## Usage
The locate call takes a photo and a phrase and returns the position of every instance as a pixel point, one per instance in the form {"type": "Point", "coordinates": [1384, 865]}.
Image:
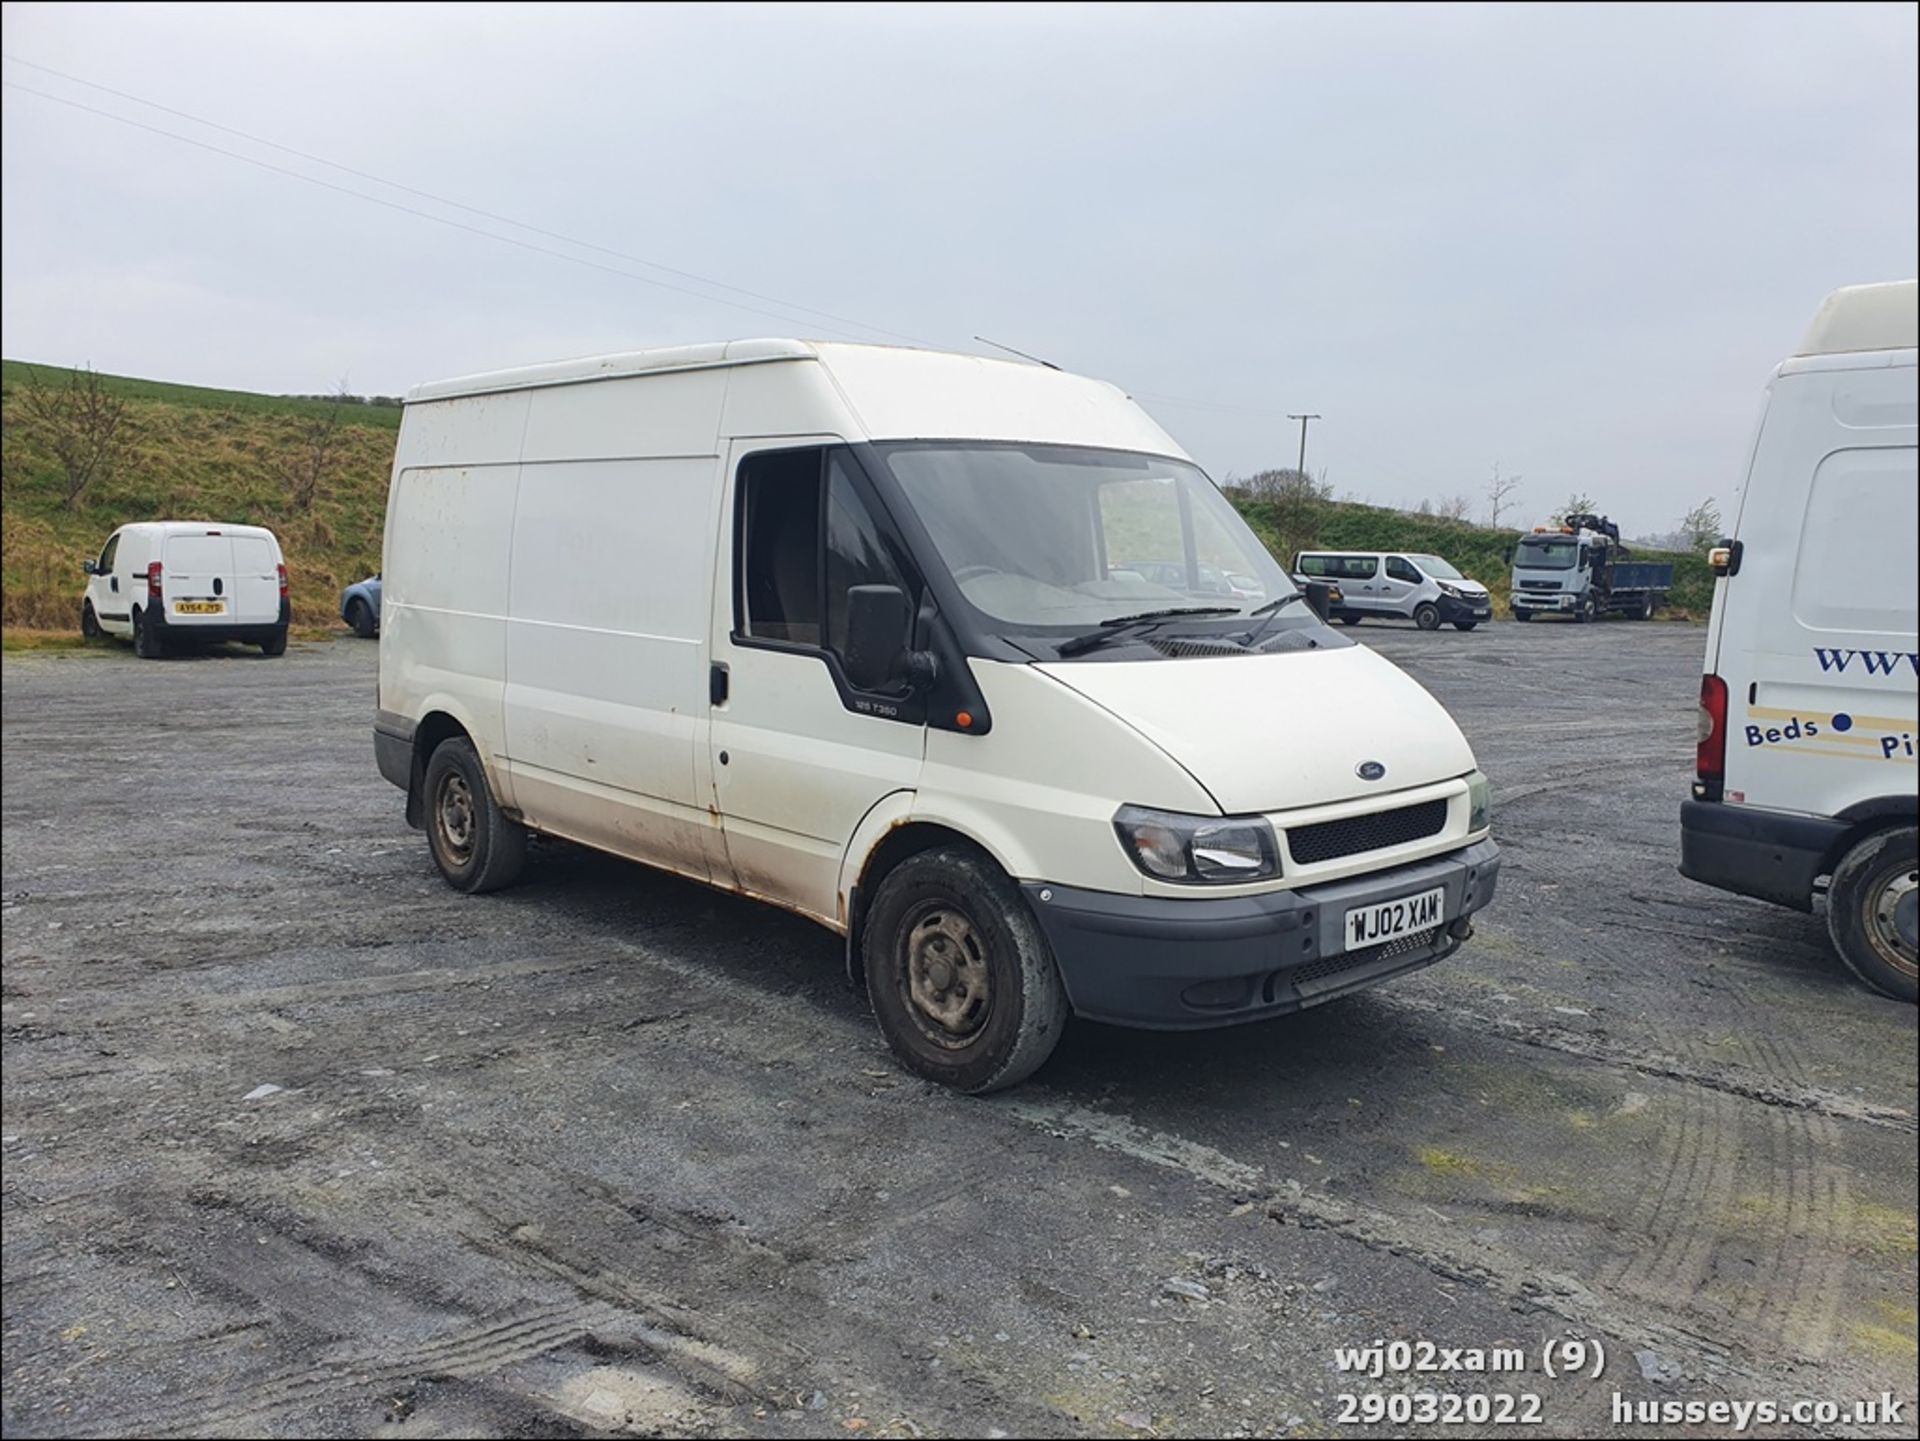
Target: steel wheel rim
{"type": "Point", "coordinates": [1893, 917]}
{"type": "Point", "coordinates": [946, 982]}
{"type": "Point", "coordinates": [453, 813]}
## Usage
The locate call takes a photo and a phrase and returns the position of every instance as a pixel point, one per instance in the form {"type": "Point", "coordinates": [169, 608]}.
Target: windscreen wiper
{"type": "Point", "coordinates": [1266, 613]}
{"type": "Point", "coordinates": [1121, 624]}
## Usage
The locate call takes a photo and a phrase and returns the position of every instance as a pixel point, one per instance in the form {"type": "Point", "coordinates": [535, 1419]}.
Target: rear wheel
{"type": "Point", "coordinates": [1873, 910]}
{"type": "Point", "coordinates": [146, 643]}
{"type": "Point", "coordinates": [1426, 615]}
{"type": "Point", "coordinates": [275, 644]}
{"type": "Point", "coordinates": [1350, 618]}
{"type": "Point", "coordinates": [1646, 608]}
{"type": "Point", "coordinates": [475, 845]}
{"type": "Point", "coordinates": [1465, 624]}
{"type": "Point", "coordinates": [89, 622]}
{"type": "Point", "coordinates": [961, 978]}
{"type": "Point", "coordinates": [360, 617]}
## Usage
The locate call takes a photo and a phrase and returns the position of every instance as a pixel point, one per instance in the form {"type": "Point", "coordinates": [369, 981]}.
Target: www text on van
{"type": "Point", "coordinates": [1806, 772]}
{"type": "Point", "coordinates": [961, 658]}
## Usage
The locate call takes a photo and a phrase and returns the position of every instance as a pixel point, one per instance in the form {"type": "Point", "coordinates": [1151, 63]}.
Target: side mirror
{"type": "Point", "coordinates": [89, 567]}
{"type": "Point", "coordinates": [878, 617]}
{"type": "Point", "coordinates": [1319, 598]}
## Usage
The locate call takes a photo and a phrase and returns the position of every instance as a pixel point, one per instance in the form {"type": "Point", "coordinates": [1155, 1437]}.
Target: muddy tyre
{"type": "Point", "coordinates": [961, 978]}
{"type": "Point", "coordinates": [1871, 910]}
{"type": "Point", "coordinates": [474, 843]}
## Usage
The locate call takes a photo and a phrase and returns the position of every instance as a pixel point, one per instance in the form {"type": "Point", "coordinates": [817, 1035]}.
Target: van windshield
{"type": "Point", "coordinates": [1436, 567]}
{"type": "Point", "coordinates": [1053, 537]}
{"type": "Point", "coordinates": [1547, 553]}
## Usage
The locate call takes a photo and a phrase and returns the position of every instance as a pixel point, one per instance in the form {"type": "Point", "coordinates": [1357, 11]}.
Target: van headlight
{"type": "Point", "coordinates": [1210, 850]}
{"type": "Point", "coordinates": [1452, 590]}
{"type": "Point", "coordinates": [1479, 802]}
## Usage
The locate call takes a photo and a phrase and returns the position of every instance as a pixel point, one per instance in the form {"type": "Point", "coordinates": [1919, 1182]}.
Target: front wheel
{"type": "Point", "coordinates": [360, 617]}
{"type": "Point", "coordinates": [89, 622]}
{"type": "Point", "coordinates": [1465, 624]}
{"type": "Point", "coordinates": [1523, 615]}
{"type": "Point", "coordinates": [1646, 609]}
{"type": "Point", "coordinates": [1427, 616]}
{"type": "Point", "coordinates": [1350, 619]}
{"type": "Point", "coordinates": [1585, 612]}
{"type": "Point", "coordinates": [1873, 910]}
{"type": "Point", "coordinates": [961, 978]}
{"type": "Point", "coordinates": [474, 843]}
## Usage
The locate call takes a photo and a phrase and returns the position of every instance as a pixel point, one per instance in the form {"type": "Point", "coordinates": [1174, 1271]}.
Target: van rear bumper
{"type": "Point", "coordinates": [1174, 964]}
{"type": "Point", "coordinates": [1770, 855]}
{"type": "Point", "coordinates": [215, 631]}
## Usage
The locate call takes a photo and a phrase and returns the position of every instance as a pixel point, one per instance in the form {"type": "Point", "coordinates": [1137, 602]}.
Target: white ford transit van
{"type": "Point", "coordinates": [1806, 767]}
{"type": "Point", "coordinates": [862, 631]}
{"type": "Point", "coordinates": [165, 584]}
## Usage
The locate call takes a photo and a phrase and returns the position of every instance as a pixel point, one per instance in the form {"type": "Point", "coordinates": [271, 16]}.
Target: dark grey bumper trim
{"type": "Point", "coordinates": [1770, 855]}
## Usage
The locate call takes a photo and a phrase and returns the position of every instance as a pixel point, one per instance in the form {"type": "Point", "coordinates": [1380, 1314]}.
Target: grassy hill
{"type": "Point", "coordinates": [224, 455]}
{"type": "Point", "coordinates": [191, 454]}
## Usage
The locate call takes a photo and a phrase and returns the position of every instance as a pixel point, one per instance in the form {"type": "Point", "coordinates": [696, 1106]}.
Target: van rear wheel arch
{"type": "Point", "coordinates": [434, 730]}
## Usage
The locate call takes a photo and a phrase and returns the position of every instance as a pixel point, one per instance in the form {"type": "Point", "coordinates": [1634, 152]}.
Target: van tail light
{"type": "Point", "coordinates": [153, 580]}
{"type": "Point", "coordinates": [1710, 758]}
{"type": "Point", "coordinates": [281, 568]}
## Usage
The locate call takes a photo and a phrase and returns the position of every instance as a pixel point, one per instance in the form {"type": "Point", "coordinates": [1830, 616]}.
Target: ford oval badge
{"type": "Point", "coordinates": [1370, 770]}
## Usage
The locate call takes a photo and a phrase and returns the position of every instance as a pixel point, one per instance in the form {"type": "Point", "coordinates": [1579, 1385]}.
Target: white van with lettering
{"type": "Point", "coordinates": [961, 658]}
{"type": "Point", "coordinates": [1807, 780]}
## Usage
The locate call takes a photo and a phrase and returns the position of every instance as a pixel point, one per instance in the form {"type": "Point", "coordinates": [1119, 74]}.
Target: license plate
{"type": "Point", "coordinates": [1389, 920]}
{"type": "Point", "coordinates": [199, 607]}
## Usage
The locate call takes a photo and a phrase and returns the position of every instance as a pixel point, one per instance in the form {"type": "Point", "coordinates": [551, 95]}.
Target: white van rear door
{"type": "Point", "coordinates": [256, 581]}
{"type": "Point", "coordinates": [196, 578]}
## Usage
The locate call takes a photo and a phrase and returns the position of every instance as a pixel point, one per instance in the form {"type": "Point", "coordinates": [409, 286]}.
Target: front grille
{"type": "Point", "coordinates": [1329, 840]}
{"type": "Point", "coordinates": [1539, 585]}
{"type": "Point", "coordinates": [1303, 976]}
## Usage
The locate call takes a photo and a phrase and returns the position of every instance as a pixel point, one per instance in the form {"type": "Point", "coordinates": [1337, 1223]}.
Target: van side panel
{"type": "Point", "coordinates": [612, 574]}
{"type": "Point", "coordinates": [1815, 637]}
{"type": "Point", "coordinates": [443, 633]}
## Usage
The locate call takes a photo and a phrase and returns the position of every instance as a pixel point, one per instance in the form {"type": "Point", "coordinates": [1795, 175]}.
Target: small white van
{"type": "Point", "coordinates": [938, 651]}
{"type": "Point", "coordinates": [1398, 585]}
{"type": "Point", "coordinates": [167, 584]}
{"type": "Point", "coordinates": [1807, 776]}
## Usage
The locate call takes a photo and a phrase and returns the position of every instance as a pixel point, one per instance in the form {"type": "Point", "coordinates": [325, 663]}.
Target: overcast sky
{"type": "Point", "coordinates": [1569, 241]}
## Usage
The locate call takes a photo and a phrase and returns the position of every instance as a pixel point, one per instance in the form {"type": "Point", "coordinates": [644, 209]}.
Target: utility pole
{"type": "Point", "coordinates": [1303, 419]}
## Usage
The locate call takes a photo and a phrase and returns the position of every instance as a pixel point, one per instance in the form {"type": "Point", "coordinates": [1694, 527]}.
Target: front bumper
{"type": "Point", "coordinates": [1771, 855]}
{"type": "Point", "coordinates": [1454, 609]}
{"type": "Point", "coordinates": [1542, 599]}
{"type": "Point", "coordinates": [1174, 964]}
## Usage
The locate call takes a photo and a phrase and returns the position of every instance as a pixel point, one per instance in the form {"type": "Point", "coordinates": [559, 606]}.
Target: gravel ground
{"type": "Point", "coordinates": [609, 1152]}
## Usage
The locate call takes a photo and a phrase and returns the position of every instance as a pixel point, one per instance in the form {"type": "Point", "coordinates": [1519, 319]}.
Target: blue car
{"type": "Point", "coordinates": [360, 607]}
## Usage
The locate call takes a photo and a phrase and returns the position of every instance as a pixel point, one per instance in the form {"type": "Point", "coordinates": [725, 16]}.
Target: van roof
{"type": "Point", "coordinates": [196, 527]}
{"type": "Point", "coordinates": [626, 362]}
{"type": "Point", "coordinates": [1866, 317]}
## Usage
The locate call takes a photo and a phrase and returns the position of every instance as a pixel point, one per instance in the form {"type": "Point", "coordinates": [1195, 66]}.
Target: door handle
{"type": "Point", "coordinates": [717, 684]}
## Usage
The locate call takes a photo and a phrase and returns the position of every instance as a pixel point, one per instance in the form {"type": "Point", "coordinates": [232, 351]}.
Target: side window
{"type": "Point", "coordinates": [856, 555]}
{"type": "Point", "coordinates": [1315, 564]}
{"type": "Point", "coordinates": [1358, 567]}
{"type": "Point", "coordinates": [1400, 569]}
{"type": "Point", "coordinates": [779, 546]}
{"type": "Point", "coordinates": [105, 567]}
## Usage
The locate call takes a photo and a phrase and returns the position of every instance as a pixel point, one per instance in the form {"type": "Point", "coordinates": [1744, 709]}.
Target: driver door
{"type": "Point", "coordinates": [111, 604]}
{"type": "Point", "coordinates": [798, 757]}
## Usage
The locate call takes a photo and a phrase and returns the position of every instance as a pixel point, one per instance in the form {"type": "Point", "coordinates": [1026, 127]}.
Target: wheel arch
{"type": "Point", "coordinates": [1867, 818]}
{"type": "Point", "coordinates": [889, 834]}
{"type": "Point", "coordinates": [434, 728]}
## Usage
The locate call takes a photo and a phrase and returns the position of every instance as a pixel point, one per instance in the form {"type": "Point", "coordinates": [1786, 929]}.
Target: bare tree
{"type": "Point", "coordinates": [1424, 508]}
{"type": "Point", "coordinates": [311, 465]}
{"type": "Point", "coordinates": [1292, 503]}
{"type": "Point", "coordinates": [1454, 508]}
{"type": "Point", "coordinates": [1701, 525]}
{"type": "Point", "coordinates": [80, 423]}
{"type": "Point", "coordinates": [1500, 491]}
